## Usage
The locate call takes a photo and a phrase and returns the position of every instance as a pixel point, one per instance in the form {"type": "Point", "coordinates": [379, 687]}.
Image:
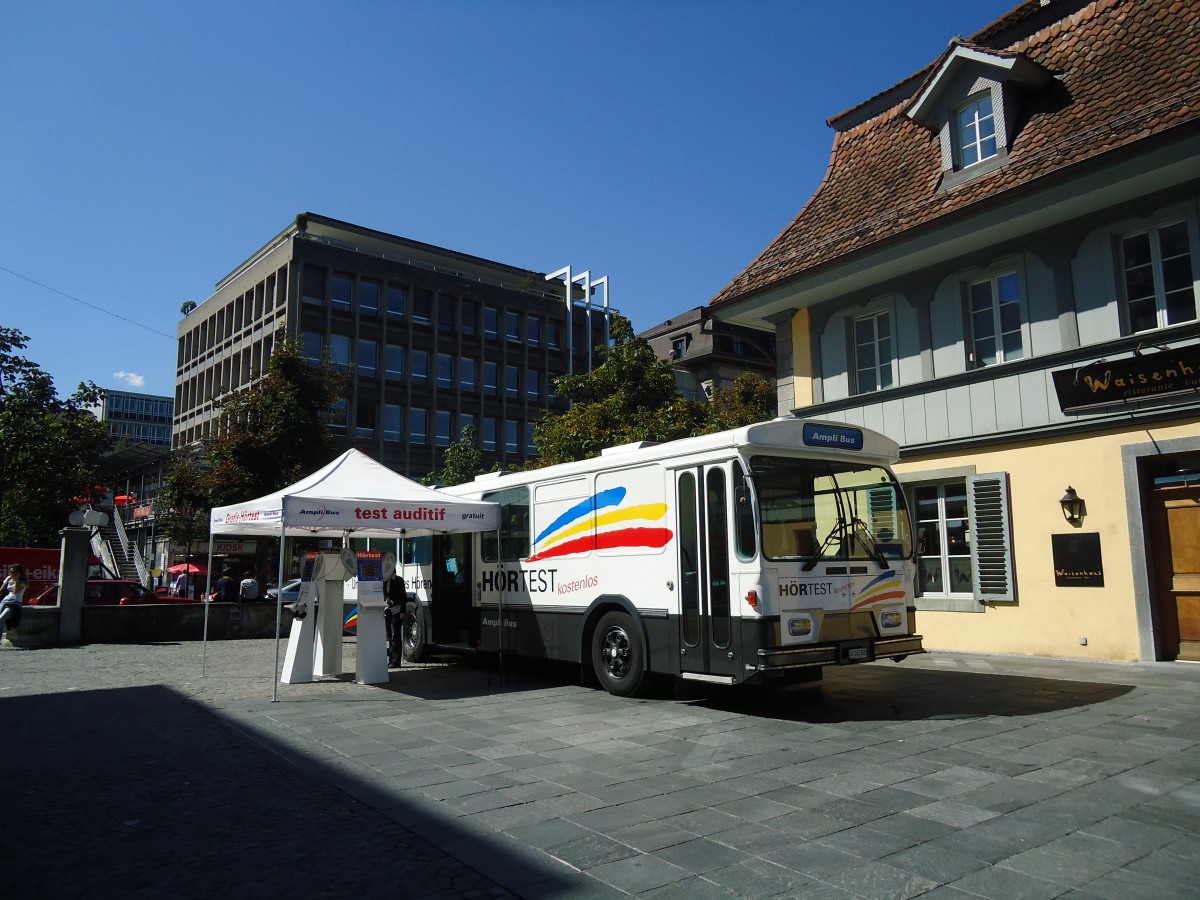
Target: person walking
{"type": "Point", "coordinates": [12, 595]}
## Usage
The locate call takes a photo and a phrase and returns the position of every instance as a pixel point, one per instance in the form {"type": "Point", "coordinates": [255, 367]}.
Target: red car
{"type": "Point", "coordinates": [108, 592]}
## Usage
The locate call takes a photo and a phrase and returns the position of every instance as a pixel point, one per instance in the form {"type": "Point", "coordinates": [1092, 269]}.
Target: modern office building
{"type": "Point", "coordinates": [136, 418]}
{"type": "Point", "coordinates": [434, 340]}
{"type": "Point", "coordinates": [999, 271]}
{"type": "Point", "coordinates": [708, 354]}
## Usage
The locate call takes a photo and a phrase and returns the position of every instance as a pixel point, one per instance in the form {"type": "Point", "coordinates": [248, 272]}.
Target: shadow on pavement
{"type": "Point", "coordinates": [142, 791]}
{"type": "Point", "coordinates": [892, 693]}
{"type": "Point", "coordinates": [882, 692]}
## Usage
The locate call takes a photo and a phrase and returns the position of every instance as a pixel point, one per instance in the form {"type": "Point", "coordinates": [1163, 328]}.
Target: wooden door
{"type": "Point", "coordinates": [1175, 531]}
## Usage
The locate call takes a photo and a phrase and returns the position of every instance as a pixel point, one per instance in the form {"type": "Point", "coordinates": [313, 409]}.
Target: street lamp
{"type": "Point", "coordinates": [1072, 506]}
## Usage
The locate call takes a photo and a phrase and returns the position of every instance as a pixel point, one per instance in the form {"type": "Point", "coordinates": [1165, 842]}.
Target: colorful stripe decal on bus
{"type": "Point", "coordinates": [884, 587]}
{"type": "Point", "coordinates": [584, 528]}
{"type": "Point", "coordinates": [602, 500]}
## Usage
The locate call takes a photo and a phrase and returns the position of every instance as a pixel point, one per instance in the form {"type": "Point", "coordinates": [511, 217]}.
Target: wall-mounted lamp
{"type": "Point", "coordinates": [1072, 506]}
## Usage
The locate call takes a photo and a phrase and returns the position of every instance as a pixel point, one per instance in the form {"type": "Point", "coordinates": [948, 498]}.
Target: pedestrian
{"type": "Point", "coordinates": [248, 589]}
{"type": "Point", "coordinates": [12, 594]}
{"type": "Point", "coordinates": [395, 598]}
{"type": "Point", "coordinates": [180, 587]}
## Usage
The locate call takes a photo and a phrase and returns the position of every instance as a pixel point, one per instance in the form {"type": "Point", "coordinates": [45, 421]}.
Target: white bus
{"type": "Point", "coordinates": [754, 555]}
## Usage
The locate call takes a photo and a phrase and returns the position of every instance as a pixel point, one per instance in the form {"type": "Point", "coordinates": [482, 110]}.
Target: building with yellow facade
{"type": "Point", "coordinates": [999, 271]}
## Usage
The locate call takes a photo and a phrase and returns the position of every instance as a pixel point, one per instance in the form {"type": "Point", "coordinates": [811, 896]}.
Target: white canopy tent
{"type": "Point", "coordinates": [354, 494]}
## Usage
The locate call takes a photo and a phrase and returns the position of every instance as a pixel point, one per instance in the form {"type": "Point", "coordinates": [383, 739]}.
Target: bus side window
{"type": "Point", "coordinates": [511, 541]}
{"type": "Point", "coordinates": [743, 515]}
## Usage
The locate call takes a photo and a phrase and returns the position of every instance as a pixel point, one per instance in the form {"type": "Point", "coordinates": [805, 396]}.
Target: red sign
{"type": "Point", "coordinates": [40, 564]}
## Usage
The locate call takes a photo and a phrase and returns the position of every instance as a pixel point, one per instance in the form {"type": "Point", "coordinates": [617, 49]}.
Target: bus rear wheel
{"type": "Point", "coordinates": [617, 655]}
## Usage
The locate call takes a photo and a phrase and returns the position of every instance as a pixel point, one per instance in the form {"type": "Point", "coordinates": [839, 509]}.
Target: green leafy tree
{"type": "Point", "coordinates": [276, 431]}
{"type": "Point", "coordinates": [462, 461]}
{"type": "Point", "coordinates": [629, 397]}
{"type": "Point", "coordinates": [750, 399]}
{"type": "Point", "coordinates": [51, 449]}
{"type": "Point", "coordinates": [181, 508]}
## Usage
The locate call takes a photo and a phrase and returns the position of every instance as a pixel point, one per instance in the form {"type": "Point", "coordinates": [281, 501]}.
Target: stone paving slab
{"type": "Point", "coordinates": [949, 775]}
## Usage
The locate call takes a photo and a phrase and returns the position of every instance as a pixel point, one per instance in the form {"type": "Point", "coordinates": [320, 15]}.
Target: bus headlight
{"type": "Point", "coordinates": [800, 627]}
{"type": "Point", "coordinates": [891, 619]}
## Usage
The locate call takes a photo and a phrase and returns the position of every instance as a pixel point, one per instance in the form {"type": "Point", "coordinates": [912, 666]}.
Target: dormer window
{"type": "Point", "coordinates": [972, 102]}
{"type": "Point", "coordinates": [975, 130]}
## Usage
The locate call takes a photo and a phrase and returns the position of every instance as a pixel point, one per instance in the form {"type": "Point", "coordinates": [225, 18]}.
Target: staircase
{"type": "Point", "coordinates": [124, 556]}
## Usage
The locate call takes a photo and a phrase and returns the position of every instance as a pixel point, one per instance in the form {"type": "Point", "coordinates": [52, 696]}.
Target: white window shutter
{"type": "Point", "coordinates": [991, 537]}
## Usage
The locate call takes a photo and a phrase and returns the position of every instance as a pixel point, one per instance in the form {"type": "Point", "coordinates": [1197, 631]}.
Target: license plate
{"type": "Point", "coordinates": [859, 654]}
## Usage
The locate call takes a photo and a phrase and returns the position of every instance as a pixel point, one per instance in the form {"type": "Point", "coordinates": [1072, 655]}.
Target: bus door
{"type": "Point", "coordinates": [450, 591]}
{"type": "Point", "coordinates": [705, 620]}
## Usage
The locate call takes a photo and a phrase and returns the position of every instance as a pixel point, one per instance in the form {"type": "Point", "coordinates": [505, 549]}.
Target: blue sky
{"type": "Point", "coordinates": [148, 148]}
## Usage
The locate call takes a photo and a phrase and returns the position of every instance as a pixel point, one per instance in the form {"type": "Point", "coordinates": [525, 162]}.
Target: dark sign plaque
{"type": "Point", "coordinates": [1077, 560]}
{"type": "Point", "coordinates": [1145, 377]}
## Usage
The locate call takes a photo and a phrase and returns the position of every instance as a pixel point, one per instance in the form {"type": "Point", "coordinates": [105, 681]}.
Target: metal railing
{"type": "Point", "coordinates": [101, 548]}
{"type": "Point", "coordinates": [131, 551]}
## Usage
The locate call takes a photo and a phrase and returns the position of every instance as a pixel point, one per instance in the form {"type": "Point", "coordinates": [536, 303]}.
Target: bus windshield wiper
{"type": "Point", "coordinates": [860, 530]}
{"type": "Point", "coordinates": [835, 531]}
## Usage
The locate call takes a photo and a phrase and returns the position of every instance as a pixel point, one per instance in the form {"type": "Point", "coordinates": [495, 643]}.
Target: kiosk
{"type": "Point", "coordinates": [315, 643]}
{"type": "Point", "coordinates": [371, 664]}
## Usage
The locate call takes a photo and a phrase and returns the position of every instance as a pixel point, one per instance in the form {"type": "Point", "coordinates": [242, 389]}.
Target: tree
{"type": "Point", "coordinates": [51, 447]}
{"type": "Point", "coordinates": [277, 430]}
{"type": "Point", "coordinates": [462, 461]}
{"type": "Point", "coordinates": [629, 397]}
{"type": "Point", "coordinates": [181, 508]}
{"type": "Point", "coordinates": [750, 399]}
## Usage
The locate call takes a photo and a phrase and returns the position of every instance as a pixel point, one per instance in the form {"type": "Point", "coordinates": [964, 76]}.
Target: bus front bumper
{"type": "Point", "coordinates": [843, 653]}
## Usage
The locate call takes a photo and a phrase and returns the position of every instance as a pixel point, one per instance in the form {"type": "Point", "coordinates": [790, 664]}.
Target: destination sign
{"type": "Point", "coordinates": [832, 436]}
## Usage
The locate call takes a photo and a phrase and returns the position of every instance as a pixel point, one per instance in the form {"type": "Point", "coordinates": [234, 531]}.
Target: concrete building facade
{"type": "Point", "coordinates": [433, 339]}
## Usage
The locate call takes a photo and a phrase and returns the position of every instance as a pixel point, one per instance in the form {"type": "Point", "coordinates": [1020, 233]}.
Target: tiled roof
{"type": "Point", "coordinates": [1127, 71]}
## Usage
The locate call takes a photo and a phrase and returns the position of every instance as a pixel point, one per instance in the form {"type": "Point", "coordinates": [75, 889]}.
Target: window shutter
{"type": "Point", "coordinates": [991, 540]}
{"type": "Point", "coordinates": [881, 512]}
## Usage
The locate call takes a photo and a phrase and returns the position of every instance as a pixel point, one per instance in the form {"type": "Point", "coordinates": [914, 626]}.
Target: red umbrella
{"type": "Point", "coordinates": [190, 568]}
{"type": "Point", "coordinates": [124, 500]}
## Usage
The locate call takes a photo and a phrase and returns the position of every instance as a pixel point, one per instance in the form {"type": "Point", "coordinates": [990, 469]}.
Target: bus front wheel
{"type": "Point", "coordinates": [617, 655]}
{"type": "Point", "coordinates": [416, 650]}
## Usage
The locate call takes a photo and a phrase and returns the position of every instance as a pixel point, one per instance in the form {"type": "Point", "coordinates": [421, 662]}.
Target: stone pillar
{"type": "Point", "coordinates": [72, 580]}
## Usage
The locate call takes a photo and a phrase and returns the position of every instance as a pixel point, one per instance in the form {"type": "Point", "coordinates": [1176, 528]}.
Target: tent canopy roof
{"type": "Point", "coordinates": [357, 494]}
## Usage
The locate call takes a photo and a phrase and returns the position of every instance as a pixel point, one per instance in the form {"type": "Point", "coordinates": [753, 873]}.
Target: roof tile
{"type": "Point", "coordinates": [1127, 70]}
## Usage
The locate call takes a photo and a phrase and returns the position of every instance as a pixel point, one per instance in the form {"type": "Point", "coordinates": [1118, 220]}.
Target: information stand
{"type": "Point", "coordinates": [298, 661]}
{"type": "Point", "coordinates": [367, 586]}
{"type": "Point", "coordinates": [315, 643]}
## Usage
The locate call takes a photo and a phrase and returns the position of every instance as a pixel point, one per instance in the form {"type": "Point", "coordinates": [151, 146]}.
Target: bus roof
{"type": "Point", "coordinates": [787, 434]}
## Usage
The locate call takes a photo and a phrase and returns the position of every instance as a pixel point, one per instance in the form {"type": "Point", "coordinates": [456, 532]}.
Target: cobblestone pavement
{"type": "Point", "coordinates": [129, 774]}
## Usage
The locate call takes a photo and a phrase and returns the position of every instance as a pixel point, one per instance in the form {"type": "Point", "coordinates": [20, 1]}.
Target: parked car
{"type": "Point", "coordinates": [291, 593]}
{"type": "Point", "coordinates": [108, 592]}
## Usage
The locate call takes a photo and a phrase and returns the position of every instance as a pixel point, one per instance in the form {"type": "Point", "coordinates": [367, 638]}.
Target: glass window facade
{"type": "Point", "coordinates": [397, 301]}
{"type": "Point", "coordinates": [341, 291]}
{"type": "Point", "coordinates": [420, 366]}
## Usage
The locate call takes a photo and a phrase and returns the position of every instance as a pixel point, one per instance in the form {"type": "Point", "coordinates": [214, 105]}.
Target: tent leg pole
{"type": "Point", "coordinates": [278, 613]}
{"type": "Point", "coordinates": [205, 601]}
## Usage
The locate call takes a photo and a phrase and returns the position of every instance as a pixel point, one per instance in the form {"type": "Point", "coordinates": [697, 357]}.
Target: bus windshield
{"type": "Point", "coordinates": [818, 509]}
